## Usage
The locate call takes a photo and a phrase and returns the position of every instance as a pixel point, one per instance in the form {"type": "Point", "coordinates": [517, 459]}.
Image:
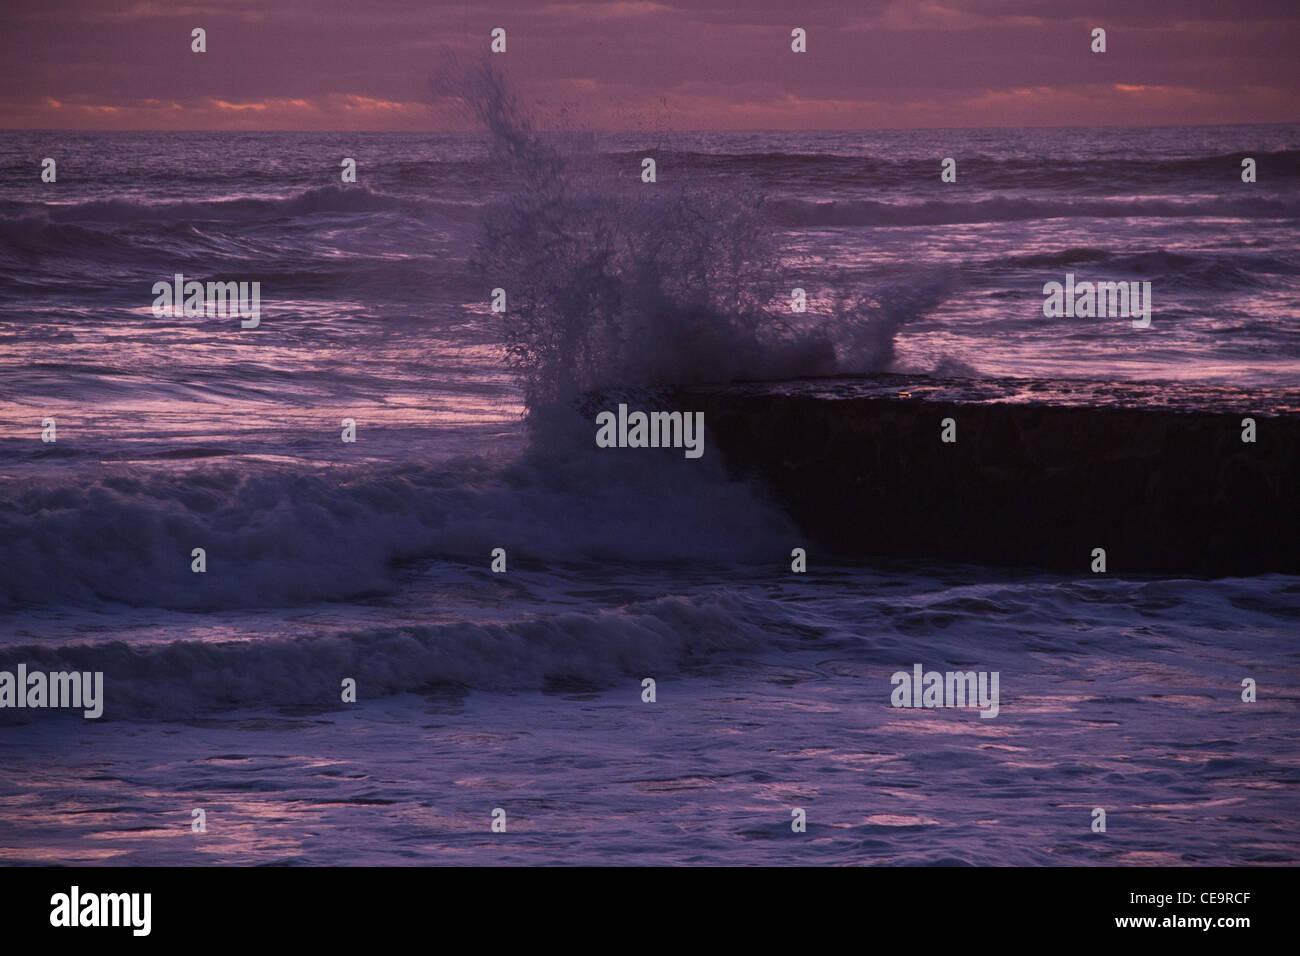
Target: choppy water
{"type": "Point", "coordinates": [370, 560]}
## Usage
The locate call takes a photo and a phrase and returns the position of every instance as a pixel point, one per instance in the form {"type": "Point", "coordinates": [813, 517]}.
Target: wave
{"type": "Point", "coordinates": [279, 537]}
{"type": "Point", "coordinates": [37, 235]}
{"type": "Point", "coordinates": [614, 284]}
{"type": "Point", "coordinates": [1214, 270]}
{"type": "Point", "coordinates": [1278, 164]}
{"type": "Point", "coordinates": [315, 201]}
{"type": "Point", "coordinates": [795, 213]}
{"type": "Point", "coordinates": [189, 678]}
{"type": "Point", "coordinates": [836, 168]}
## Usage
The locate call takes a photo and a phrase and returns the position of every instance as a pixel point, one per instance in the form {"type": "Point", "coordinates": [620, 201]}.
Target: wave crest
{"type": "Point", "coordinates": [614, 282]}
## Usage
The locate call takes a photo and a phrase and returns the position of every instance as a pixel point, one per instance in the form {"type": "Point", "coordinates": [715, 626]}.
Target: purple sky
{"type": "Point", "coordinates": [697, 64]}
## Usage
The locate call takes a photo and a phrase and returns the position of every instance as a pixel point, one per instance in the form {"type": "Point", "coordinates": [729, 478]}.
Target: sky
{"type": "Point", "coordinates": [633, 64]}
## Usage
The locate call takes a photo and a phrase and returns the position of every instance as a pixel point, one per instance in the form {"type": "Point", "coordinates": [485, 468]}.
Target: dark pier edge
{"type": "Point", "coordinates": [1040, 475]}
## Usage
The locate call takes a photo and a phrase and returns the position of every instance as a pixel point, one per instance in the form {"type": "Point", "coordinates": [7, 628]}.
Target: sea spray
{"type": "Point", "coordinates": [617, 283]}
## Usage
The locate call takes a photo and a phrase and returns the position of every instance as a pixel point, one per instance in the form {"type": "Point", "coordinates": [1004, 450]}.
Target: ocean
{"type": "Point", "coordinates": [476, 690]}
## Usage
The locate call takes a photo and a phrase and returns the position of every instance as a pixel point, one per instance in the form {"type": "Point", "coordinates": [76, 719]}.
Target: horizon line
{"type": "Point", "coordinates": [756, 129]}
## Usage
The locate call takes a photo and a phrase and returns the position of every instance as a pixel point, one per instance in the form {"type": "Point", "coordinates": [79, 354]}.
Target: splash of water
{"type": "Point", "coordinates": [616, 283]}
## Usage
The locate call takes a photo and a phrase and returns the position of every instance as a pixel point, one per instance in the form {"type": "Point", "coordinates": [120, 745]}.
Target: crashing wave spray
{"type": "Point", "coordinates": [615, 283]}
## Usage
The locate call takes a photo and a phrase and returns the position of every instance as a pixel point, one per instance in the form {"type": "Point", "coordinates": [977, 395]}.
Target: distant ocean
{"type": "Point", "coordinates": [371, 560]}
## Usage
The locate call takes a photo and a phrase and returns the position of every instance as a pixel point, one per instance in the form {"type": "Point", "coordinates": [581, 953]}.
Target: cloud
{"type": "Point", "coordinates": [618, 10]}
{"type": "Point", "coordinates": [335, 64]}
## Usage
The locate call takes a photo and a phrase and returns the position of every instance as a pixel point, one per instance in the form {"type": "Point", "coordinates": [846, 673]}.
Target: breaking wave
{"type": "Point", "coordinates": [613, 282]}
